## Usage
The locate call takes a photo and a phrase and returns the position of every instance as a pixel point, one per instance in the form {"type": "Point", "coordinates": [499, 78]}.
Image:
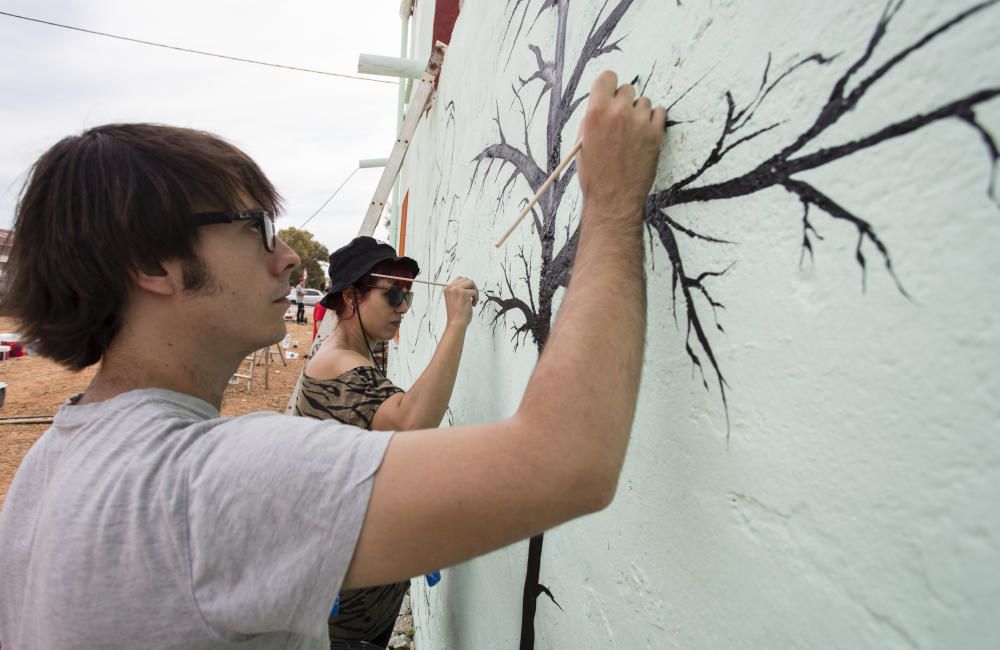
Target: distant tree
{"type": "Point", "coordinates": [310, 251]}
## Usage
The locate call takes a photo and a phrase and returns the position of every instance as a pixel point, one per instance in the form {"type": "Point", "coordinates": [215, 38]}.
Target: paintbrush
{"type": "Point", "coordinates": [541, 190]}
{"type": "Point", "coordinates": [547, 184]}
{"type": "Point", "coordinates": [402, 279]}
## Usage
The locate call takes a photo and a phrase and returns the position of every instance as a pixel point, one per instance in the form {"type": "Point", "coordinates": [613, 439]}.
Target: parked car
{"type": "Point", "coordinates": [312, 296]}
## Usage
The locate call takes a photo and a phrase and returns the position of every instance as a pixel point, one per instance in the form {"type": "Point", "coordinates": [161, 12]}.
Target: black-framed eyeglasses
{"type": "Point", "coordinates": [395, 295]}
{"type": "Point", "coordinates": [264, 219]}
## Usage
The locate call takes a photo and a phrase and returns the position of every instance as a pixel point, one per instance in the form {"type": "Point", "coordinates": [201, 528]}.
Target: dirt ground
{"type": "Point", "coordinates": [37, 387]}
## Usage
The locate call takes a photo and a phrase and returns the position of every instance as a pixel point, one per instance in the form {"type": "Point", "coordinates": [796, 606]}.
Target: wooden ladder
{"type": "Point", "coordinates": [261, 357]}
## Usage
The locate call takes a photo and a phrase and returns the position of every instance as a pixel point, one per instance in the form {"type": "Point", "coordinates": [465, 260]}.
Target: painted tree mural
{"type": "Point", "coordinates": [442, 239]}
{"type": "Point", "coordinates": [553, 87]}
{"type": "Point", "coordinates": [438, 258]}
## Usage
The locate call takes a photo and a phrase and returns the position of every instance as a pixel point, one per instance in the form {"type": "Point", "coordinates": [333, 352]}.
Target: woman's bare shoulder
{"type": "Point", "coordinates": [331, 362]}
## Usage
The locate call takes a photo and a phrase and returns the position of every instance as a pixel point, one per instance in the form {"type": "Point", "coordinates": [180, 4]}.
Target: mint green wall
{"type": "Point", "coordinates": [851, 500]}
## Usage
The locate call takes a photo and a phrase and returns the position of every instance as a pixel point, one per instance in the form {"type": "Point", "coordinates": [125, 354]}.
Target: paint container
{"type": "Point", "coordinates": [3, 392]}
{"type": "Point", "coordinates": [12, 339]}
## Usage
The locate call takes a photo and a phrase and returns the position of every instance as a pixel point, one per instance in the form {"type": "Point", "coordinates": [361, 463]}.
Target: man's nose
{"type": "Point", "coordinates": [284, 257]}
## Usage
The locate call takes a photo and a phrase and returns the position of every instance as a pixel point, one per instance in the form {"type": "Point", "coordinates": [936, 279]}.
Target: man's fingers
{"type": "Point", "coordinates": [644, 103]}
{"type": "Point", "coordinates": [659, 117]}
{"type": "Point", "coordinates": [603, 88]}
{"type": "Point", "coordinates": [626, 92]}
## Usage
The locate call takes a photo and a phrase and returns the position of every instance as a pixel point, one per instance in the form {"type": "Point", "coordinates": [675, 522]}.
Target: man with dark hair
{"type": "Point", "coordinates": [101, 208]}
{"type": "Point", "coordinates": [141, 518]}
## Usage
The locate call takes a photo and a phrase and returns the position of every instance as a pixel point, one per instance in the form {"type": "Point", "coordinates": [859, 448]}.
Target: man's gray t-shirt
{"type": "Point", "coordinates": [148, 521]}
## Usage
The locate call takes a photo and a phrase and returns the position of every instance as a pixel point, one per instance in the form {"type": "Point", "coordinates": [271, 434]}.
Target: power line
{"type": "Point", "coordinates": [329, 199]}
{"type": "Point", "coordinates": [190, 51]}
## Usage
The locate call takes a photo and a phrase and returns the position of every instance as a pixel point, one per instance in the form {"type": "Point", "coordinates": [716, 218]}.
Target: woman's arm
{"type": "Point", "coordinates": [425, 403]}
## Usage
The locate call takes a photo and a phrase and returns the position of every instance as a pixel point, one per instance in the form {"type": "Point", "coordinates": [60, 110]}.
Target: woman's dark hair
{"type": "Point", "coordinates": [361, 286]}
{"type": "Point", "coordinates": [100, 206]}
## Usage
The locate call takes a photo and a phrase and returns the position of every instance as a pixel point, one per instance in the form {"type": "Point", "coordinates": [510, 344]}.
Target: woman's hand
{"type": "Point", "coordinates": [460, 296]}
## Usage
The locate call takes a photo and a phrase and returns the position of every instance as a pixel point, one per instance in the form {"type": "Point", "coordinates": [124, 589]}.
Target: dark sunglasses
{"type": "Point", "coordinates": [395, 295]}
{"type": "Point", "coordinates": [264, 219]}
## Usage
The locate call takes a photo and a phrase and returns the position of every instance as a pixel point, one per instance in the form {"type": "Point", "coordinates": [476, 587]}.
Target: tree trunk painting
{"type": "Point", "coordinates": [531, 277]}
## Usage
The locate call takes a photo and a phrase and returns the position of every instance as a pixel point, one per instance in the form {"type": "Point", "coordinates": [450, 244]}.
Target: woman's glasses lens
{"type": "Point", "coordinates": [397, 297]}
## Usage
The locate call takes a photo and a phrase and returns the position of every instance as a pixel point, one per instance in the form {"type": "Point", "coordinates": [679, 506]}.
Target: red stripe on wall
{"type": "Point", "coordinates": [445, 15]}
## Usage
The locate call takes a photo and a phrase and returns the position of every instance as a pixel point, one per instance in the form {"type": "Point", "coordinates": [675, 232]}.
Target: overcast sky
{"type": "Point", "coordinates": [306, 131]}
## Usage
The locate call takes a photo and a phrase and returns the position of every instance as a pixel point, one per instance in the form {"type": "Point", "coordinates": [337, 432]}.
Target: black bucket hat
{"type": "Point", "coordinates": [349, 263]}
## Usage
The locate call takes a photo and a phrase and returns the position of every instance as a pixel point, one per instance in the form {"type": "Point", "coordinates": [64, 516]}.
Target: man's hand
{"type": "Point", "coordinates": [460, 296]}
{"type": "Point", "coordinates": [621, 145]}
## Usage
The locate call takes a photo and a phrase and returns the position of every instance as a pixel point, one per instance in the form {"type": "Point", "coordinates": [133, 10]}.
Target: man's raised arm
{"type": "Point", "coordinates": [443, 496]}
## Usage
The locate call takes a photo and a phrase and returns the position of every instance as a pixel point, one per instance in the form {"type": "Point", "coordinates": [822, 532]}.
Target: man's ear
{"type": "Point", "coordinates": [163, 279]}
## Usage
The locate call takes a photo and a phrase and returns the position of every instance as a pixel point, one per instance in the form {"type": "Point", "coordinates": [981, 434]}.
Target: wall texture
{"type": "Point", "coordinates": [815, 461]}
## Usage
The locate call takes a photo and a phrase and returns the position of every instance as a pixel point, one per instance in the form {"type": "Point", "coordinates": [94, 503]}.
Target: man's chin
{"type": "Point", "coordinates": [279, 334]}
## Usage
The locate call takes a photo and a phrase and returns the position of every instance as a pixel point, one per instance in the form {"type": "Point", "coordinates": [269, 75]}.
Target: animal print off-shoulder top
{"type": "Point", "coordinates": [353, 398]}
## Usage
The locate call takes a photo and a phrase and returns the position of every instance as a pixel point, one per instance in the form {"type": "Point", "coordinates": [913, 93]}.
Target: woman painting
{"type": "Point", "coordinates": [345, 380]}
